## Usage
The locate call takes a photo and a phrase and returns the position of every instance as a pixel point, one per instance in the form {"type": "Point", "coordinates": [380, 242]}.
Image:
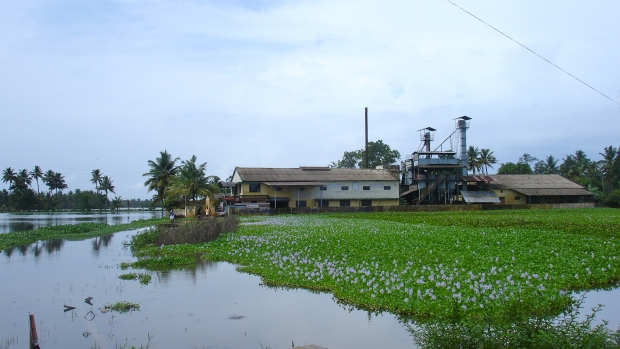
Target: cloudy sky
{"type": "Point", "coordinates": [110, 84]}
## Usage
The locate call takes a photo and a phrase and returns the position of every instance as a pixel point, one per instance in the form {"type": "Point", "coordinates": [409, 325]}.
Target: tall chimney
{"type": "Point", "coordinates": [366, 117]}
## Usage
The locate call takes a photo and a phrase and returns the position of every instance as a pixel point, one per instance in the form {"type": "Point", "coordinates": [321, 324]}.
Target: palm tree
{"type": "Point", "coordinates": [191, 181]}
{"type": "Point", "coordinates": [551, 165]}
{"type": "Point", "coordinates": [22, 180]}
{"type": "Point", "coordinates": [473, 159]}
{"type": "Point", "coordinates": [107, 186]}
{"type": "Point", "coordinates": [36, 174]}
{"type": "Point", "coordinates": [8, 175]}
{"type": "Point", "coordinates": [48, 179]}
{"type": "Point", "coordinates": [59, 182]}
{"type": "Point", "coordinates": [161, 171]}
{"type": "Point", "coordinates": [96, 180]}
{"type": "Point", "coordinates": [487, 159]}
{"type": "Point", "coordinates": [610, 160]}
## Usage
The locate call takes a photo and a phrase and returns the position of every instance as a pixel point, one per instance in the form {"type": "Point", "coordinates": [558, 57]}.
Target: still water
{"type": "Point", "coordinates": [28, 221]}
{"type": "Point", "coordinates": [211, 306]}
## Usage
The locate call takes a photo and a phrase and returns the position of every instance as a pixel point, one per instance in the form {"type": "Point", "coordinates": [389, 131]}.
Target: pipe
{"type": "Point", "coordinates": [366, 118]}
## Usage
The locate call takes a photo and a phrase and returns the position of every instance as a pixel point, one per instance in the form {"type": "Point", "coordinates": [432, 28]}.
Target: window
{"type": "Point", "coordinates": [301, 203]}
{"type": "Point", "coordinates": [366, 202]}
{"type": "Point", "coordinates": [366, 187]}
{"type": "Point", "coordinates": [387, 187]}
{"type": "Point", "coordinates": [345, 203]}
{"type": "Point", "coordinates": [322, 203]}
{"type": "Point", "coordinates": [254, 187]}
{"type": "Point", "coordinates": [301, 188]}
{"type": "Point", "coordinates": [277, 188]}
{"type": "Point", "coordinates": [323, 188]}
{"type": "Point", "coordinates": [502, 199]}
{"type": "Point", "coordinates": [344, 187]}
{"type": "Point", "coordinates": [517, 198]}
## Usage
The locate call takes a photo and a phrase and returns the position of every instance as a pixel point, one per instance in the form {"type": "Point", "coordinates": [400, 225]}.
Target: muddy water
{"type": "Point", "coordinates": [209, 306]}
{"type": "Point", "coordinates": [20, 222]}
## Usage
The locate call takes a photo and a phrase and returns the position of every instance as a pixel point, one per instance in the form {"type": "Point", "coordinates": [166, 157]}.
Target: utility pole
{"type": "Point", "coordinates": [366, 118]}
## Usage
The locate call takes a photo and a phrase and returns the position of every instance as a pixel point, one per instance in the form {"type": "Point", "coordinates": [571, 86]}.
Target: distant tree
{"type": "Point", "coordinates": [512, 168]}
{"type": "Point", "coordinates": [8, 175]}
{"type": "Point", "coordinates": [37, 174]}
{"type": "Point", "coordinates": [548, 166]}
{"type": "Point", "coordinates": [610, 168]}
{"type": "Point", "coordinates": [379, 154]}
{"type": "Point", "coordinates": [95, 178]}
{"type": "Point", "coordinates": [107, 186]}
{"type": "Point", "coordinates": [59, 182]}
{"type": "Point", "coordinates": [191, 181]}
{"type": "Point", "coordinates": [487, 159]}
{"type": "Point", "coordinates": [160, 173]}
{"type": "Point", "coordinates": [117, 203]}
{"type": "Point", "coordinates": [473, 159]}
{"type": "Point", "coordinates": [22, 180]}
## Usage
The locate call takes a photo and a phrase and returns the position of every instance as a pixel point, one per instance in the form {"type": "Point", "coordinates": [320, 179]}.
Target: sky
{"type": "Point", "coordinates": [107, 85]}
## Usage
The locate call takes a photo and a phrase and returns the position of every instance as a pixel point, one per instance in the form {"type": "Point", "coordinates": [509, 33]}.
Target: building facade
{"type": "Point", "coordinates": [315, 187]}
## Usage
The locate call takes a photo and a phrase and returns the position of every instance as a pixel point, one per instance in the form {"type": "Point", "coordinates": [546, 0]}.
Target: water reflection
{"type": "Point", "coordinates": [10, 222]}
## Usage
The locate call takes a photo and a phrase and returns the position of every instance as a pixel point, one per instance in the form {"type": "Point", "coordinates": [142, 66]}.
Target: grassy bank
{"type": "Point", "coordinates": [70, 232]}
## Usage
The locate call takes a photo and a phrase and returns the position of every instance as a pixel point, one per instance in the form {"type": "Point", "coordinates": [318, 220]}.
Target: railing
{"type": "Point", "coordinates": [428, 190]}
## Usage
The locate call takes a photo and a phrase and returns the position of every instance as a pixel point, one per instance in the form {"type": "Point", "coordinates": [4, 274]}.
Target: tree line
{"type": "Point", "coordinates": [21, 195]}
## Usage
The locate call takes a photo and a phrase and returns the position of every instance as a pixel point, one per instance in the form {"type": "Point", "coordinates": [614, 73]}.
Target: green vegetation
{"type": "Point", "coordinates": [435, 265]}
{"type": "Point", "coordinates": [70, 232]}
{"type": "Point", "coordinates": [176, 185]}
{"type": "Point", "coordinates": [489, 279]}
{"type": "Point", "coordinates": [379, 154]}
{"type": "Point", "coordinates": [123, 307]}
{"type": "Point", "coordinates": [566, 331]}
{"type": "Point", "coordinates": [172, 247]}
{"type": "Point", "coordinates": [144, 278]}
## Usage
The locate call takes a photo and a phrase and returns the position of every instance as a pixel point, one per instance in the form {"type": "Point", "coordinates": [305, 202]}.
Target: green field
{"type": "Point", "coordinates": [440, 265]}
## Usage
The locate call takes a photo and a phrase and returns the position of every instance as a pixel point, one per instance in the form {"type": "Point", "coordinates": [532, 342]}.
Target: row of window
{"type": "Point", "coordinates": [325, 203]}
{"type": "Point", "coordinates": [255, 188]}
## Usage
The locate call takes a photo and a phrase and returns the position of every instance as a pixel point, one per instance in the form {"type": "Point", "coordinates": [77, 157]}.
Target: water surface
{"type": "Point", "coordinates": [28, 221]}
{"type": "Point", "coordinates": [212, 305]}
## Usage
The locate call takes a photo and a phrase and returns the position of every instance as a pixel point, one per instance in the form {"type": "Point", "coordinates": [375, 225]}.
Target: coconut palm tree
{"type": "Point", "coordinates": [473, 159]}
{"type": "Point", "coordinates": [486, 159]}
{"type": "Point", "coordinates": [96, 180]}
{"type": "Point", "coordinates": [48, 179]}
{"type": "Point", "coordinates": [59, 182]}
{"type": "Point", "coordinates": [192, 182]}
{"type": "Point", "coordinates": [22, 180]}
{"type": "Point", "coordinates": [8, 175]}
{"type": "Point", "coordinates": [36, 174]}
{"type": "Point", "coordinates": [160, 172]}
{"type": "Point", "coordinates": [610, 161]}
{"type": "Point", "coordinates": [107, 186]}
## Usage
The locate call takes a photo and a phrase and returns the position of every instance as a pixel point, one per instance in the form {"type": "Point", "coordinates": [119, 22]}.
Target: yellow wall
{"type": "Point", "coordinates": [510, 197]}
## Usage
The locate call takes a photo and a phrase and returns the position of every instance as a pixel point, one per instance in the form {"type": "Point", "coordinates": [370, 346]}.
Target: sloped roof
{"type": "Point", "coordinates": [313, 174]}
{"type": "Point", "coordinates": [479, 197]}
{"type": "Point", "coordinates": [538, 185]}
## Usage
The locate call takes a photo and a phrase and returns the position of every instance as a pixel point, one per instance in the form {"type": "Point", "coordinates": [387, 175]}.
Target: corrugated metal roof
{"type": "Point", "coordinates": [294, 184]}
{"type": "Point", "coordinates": [539, 185]}
{"type": "Point", "coordinates": [479, 197]}
{"type": "Point", "coordinates": [256, 174]}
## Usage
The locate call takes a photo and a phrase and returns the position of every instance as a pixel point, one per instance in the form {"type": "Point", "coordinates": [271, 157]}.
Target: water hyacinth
{"type": "Point", "coordinates": [381, 261]}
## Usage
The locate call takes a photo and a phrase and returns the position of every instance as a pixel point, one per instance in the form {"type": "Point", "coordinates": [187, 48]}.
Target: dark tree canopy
{"type": "Point", "coordinates": [379, 154]}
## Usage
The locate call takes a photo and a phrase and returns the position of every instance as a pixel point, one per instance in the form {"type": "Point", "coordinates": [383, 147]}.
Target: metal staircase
{"type": "Point", "coordinates": [428, 190]}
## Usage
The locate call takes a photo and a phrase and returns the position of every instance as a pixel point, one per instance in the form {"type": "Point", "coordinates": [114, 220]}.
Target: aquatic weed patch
{"type": "Point", "coordinates": [123, 307]}
{"type": "Point", "coordinates": [425, 269]}
{"type": "Point", "coordinates": [69, 232]}
{"type": "Point", "coordinates": [142, 277]}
